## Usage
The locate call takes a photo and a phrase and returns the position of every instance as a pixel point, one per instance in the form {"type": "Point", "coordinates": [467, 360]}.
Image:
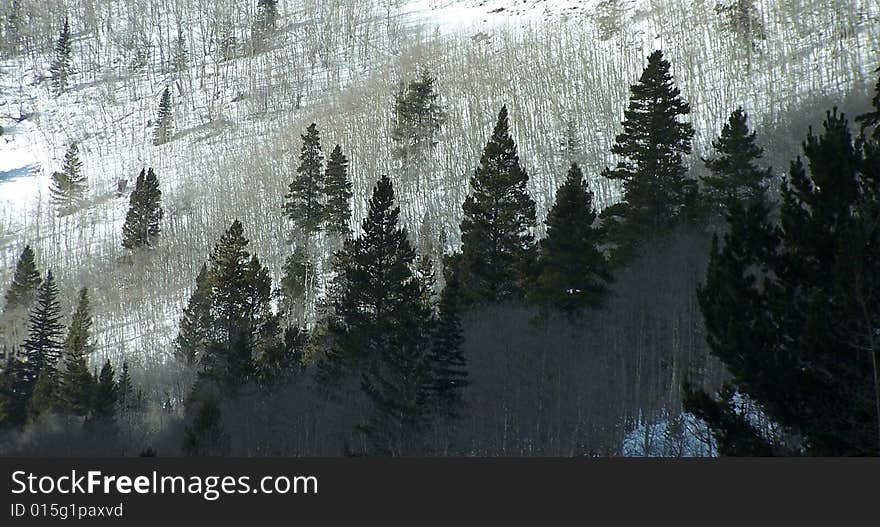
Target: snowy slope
{"type": "Point", "coordinates": [237, 122]}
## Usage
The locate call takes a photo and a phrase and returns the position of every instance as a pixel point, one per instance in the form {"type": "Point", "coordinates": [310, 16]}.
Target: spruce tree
{"type": "Point", "coordinates": [303, 203]}
{"type": "Point", "coordinates": [426, 278]}
{"type": "Point", "coordinates": [735, 175]}
{"type": "Point", "coordinates": [298, 285]}
{"type": "Point", "coordinates": [448, 363]}
{"type": "Point", "coordinates": [142, 222]}
{"type": "Point", "coordinates": [76, 383]}
{"type": "Point", "coordinates": [497, 251]}
{"type": "Point", "coordinates": [205, 435]}
{"type": "Point", "coordinates": [164, 127]}
{"type": "Point", "coordinates": [44, 396]}
{"type": "Point", "coordinates": [790, 308]}
{"type": "Point", "coordinates": [572, 272]}
{"type": "Point", "coordinates": [25, 281]}
{"type": "Point", "coordinates": [106, 396]}
{"type": "Point", "coordinates": [181, 54]}
{"type": "Point", "coordinates": [129, 398]}
{"type": "Point", "coordinates": [17, 305]}
{"type": "Point", "coordinates": [195, 324]}
{"type": "Point", "coordinates": [243, 323]}
{"type": "Point", "coordinates": [379, 329]}
{"type": "Point", "coordinates": [267, 15]}
{"type": "Point", "coordinates": [42, 348]}
{"type": "Point", "coordinates": [68, 185]}
{"type": "Point", "coordinates": [418, 119]}
{"type": "Point", "coordinates": [279, 364]}
{"type": "Point", "coordinates": [871, 119]}
{"type": "Point", "coordinates": [337, 192]}
{"type": "Point", "coordinates": [656, 188]}
{"type": "Point", "coordinates": [62, 65]}
{"type": "Point", "coordinates": [12, 33]}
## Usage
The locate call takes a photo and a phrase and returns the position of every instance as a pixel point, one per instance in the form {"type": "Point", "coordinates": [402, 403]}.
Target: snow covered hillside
{"type": "Point", "coordinates": [563, 67]}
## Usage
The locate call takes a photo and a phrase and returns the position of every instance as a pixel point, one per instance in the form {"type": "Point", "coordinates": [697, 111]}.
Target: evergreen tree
{"type": "Point", "coordinates": [142, 222]}
{"type": "Point", "coordinates": [871, 119]}
{"type": "Point", "coordinates": [496, 231]}
{"type": "Point", "coordinates": [44, 395]}
{"type": "Point", "coordinates": [379, 331]}
{"type": "Point", "coordinates": [205, 436]}
{"type": "Point", "coordinates": [281, 363]}
{"type": "Point", "coordinates": [243, 323]}
{"type": "Point", "coordinates": [76, 383]}
{"type": "Point", "coordinates": [418, 119]}
{"type": "Point", "coordinates": [448, 363]}
{"type": "Point", "coordinates": [181, 54]}
{"type": "Point", "coordinates": [195, 324]}
{"type": "Point", "coordinates": [427, 280]}
{"type": "Point", "coordinates": [267, 15]}
{"type": "Point", "coordinates": [656, 188]}
{"type": "Point", "coordinates": [18, 300]}
{"type": "Point", "coordinates": [15, 392]}
{"type": "Point", "coordinates": [12, 33]}
{"type": "Point", "coordinates": [742, 19]}
{"type": "Point", "coordinates": [106, 396]}
{"type": "Point", "coordinates": [68, 185]}
{"type": "Point", "coordinates": [164, 127]}
{"type": "Point", "coordinates": [735, 175]}
{"type": "Point", "coordinates": [25, 281]}
{"type": "Point", "coordinates": [791, 309]}
{"type": "Point", "coordinates": [572, 272]}
{"type": "Point", "coordinates": [62, 65]}
{"type": "Point", "coordinates": [43, 345]}
{"type": "Point", "coordinates": [337, 192]}
{"type": "Point", "coordinates": [128, 397]}
{"type": "Point", "coordinates": [303, 200]}
{"type": "Point", "coordinates": [298, 285]}
{"type": "Point", "coordinates": [79, 336]}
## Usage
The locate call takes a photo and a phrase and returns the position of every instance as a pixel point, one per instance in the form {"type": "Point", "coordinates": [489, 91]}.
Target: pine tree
{"type": "Point", "coordinates": [298, 285]}
{"type": "Point", "coordinates": [195, 324]}
{"type": "Point", "coordinates": [18, 300]}
{"type": "Point", "coordinates": [871, 119]}
{"type": "Point", "coordinates": [142, 222]}
{"type": "Point", "coordinates": [418, 119]}
{"type": "Point", "coordinates": [735, 175]}
{"type": "Point", "coordinates": [379, 330]}
{"type": "Point", "coordinates": [128, 397]}
{"type": "Point", "coordinates": [15, 392]}
{"type": "Point", "coordinates": [44, 395]}
{"type": "Point", "coordinates": [497, 251]}
{"type": "Point", "coordinates": [181, 54]}
{"type": "Point", "coordinates": [12, 33]}
{"type": "Point", "coordinates": [243, 323]}
{"type": "Point", "coordinates": [62, 65]}
{"type": "Point", "coordinates": [68, 185]}
{"type": "Point", "coordinates": [281, 363]}
{"type": "Point", "coordinates": [791, 309]}
{"type": "Point", "coordinates": [337, 192]}
{"type": "Point", "coordinates": [448, 363]}
{"type": "Point", "coordinates": [656, 188]}
{"type": "Point", "coordinates": [205, 436]}
{"type": "Point", "coordinates": [76, 383]}
{"type": "Point", "coordinates": [43, 345]}
{"type": "Point", "coordinates": [25, 281]}
{"type": "Point", "coordinates": [106, 396]}
{"type": "Point", "coordinates": [572, 272]}
{"type": "Point", "coordinates": [303, 200]}
{"type": "Point", "coordinates": [426, 278]}
{"type": "Point", "coordinates": [164, 127]}
{"type": "Point", "coordinates": [267, 15]}
{"type": "Point", "coordinates": [742, 20]}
